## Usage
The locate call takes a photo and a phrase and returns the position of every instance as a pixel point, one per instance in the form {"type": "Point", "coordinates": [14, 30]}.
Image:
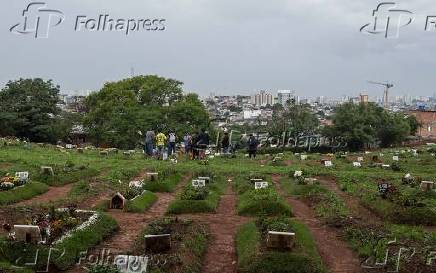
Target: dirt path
{"type": "Point", "coordinates": [221, 252]}
{"type": "Point", "coordinates": [53, 194]}
{"type": "Point", "coordinates": [336, 254]}
{"type": "Point", "coordinates": [131, 225]}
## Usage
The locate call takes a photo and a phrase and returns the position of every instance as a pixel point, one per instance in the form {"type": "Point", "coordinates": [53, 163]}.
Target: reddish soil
{"type": "Point", "coordinates": [53, 194]}
{"type": "Point", "coordinates": [357, 209]}
{"type": "Point", "coordinates": [336, 254]}
{"type": "Point", "coordinates": [131, 225]}
{"type": "Point", "coordinates": [221, 253]}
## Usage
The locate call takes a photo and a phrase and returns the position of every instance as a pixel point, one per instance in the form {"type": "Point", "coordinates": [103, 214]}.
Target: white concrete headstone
{"type": "Point", "coordinates": [298, 173]}
{"type": "Point", "coordinates": [303, 157]}
{"type": "Point", "coordinates": [328, 163]}
{"type": "Point", "coordinates": [395, 158]}
{"type": "Point", "coordinates": [22, 176]}
{"type": "Point", "coordinates": [260, 185]}
{"type": "Point", "coordinates": [197, 183]}
{"type": "Point", "coordinates": [136, 184]}
{"type": "Point", "coordinates": [360, 159]}
{"type": "Point", "coordinates": [357, 164]}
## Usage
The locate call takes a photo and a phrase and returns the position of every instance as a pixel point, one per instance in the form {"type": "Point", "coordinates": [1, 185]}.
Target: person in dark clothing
{"type": "Point", "coordinates": [225, 143]}
{"type": "Point", "coordinates": [252, 146]}
{"type": "Point", "coordinates": [202, 143]}
{"type": "Point", "coordinates": [194, 146]}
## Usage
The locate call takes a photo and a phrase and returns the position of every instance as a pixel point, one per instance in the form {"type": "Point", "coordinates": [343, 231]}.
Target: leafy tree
{"type": "Point", "coordinates": [28, 109]}
{"type": "Point", "coordinates": [120, 109]}
{"type": "Point", "coordinates": [365, 125]}
{"type": "Point", "coordinates": [295, 119]}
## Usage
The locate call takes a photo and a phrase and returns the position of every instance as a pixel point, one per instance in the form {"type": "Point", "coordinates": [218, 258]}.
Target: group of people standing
{"type": "Point", "coordinates": [194, 145]}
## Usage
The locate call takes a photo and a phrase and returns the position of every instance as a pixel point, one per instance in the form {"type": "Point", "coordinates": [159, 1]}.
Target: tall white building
{"type": "Point", "coordinates": [283, 96]}
{"type": "Point", "coordinates": [262, 99]}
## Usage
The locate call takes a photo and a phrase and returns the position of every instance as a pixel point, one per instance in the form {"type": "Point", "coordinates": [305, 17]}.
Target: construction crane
{"type": "Point", "coordinates": [386, 92]}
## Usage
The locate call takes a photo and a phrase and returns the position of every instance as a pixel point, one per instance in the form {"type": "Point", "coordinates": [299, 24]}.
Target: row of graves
{"type": "Point", "coordinates": [9, 181]}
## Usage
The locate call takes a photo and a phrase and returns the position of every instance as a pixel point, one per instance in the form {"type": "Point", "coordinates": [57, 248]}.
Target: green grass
{"type": "Point", "coordinates": [167, 184]}
{"type": "Point", "coordinates": [253, 257]}
{"type": "Point", "coordinates": [22, 193]}
{"type": "Point", "coordinates": [141, 202]}
{"type": "Point", "coordinates": [263, 202]}
{"type": "Point", "coordinates": [84, 239]}
{"type": "Point", "coordinates": [209, 204]}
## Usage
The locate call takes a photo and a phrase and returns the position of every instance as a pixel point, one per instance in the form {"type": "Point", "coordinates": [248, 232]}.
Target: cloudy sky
{"type": "Point", "coordinates": [227, 46]}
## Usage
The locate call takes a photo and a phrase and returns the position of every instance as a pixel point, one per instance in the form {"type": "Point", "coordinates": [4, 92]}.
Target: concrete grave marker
{"type": "Point", "coordinates": [280, 240]}
{"type": "Point", "coordinates": [205, 178]}
{"type": "Point", "coordinates": [157, 243]}
{"type": "Point", "coordinates": [328, 163]}
{"type": "Point", "coordinates": [69, 146]}
{"type": "Point", "coordinates": [360, 159]}
{"type": "Point", "coordinates": [395, 158]}
{"type": "Point", "coordinates": [427, 185]}
{"type": "Point", "coordinates": [131, 264]}
{"type": "Point", "coordinates": [310, 181]}
{"type": "Point", "coordinates": [28, 234]}
{"type": "Point", "coordinates": [298, 173]}
{"type": "Point", "coordinates": [104, 153]}
{"type": "Point", "coordinates": [22, 176]}
{"type": "Point", "coordinates": [303, 157]}
{"type": "Point", "coordinates": [47, 170]}
{"type": "Point", "coordinates": [152, 176]}
{"type": "Point", "coordinates": [136, 184]}
{"type": "Point", "coordinates": [197, 183]}
{"type": "Point", "coordinates": [357, 164]}
{"type": "Point", "coordinates": [260, 185]}
{"type": "Point", "coordinates": [117, 201]}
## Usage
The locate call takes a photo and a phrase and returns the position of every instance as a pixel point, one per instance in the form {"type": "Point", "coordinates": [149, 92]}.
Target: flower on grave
{"type": "Point", "coordinates": [91, 221]}
{"type": "Point", "coordinates": [298, 173]}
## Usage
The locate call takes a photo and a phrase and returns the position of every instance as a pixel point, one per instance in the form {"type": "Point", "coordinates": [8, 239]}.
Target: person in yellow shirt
{"type": "Point", "coordinates": [160, 143]}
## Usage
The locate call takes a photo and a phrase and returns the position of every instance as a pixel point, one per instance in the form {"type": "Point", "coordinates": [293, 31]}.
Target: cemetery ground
{"type": "Point", "coordinates": [278, 213]}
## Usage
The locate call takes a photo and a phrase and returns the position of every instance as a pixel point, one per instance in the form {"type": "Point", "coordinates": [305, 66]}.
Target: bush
{"type": "Point", "coordinates": [191, 193]}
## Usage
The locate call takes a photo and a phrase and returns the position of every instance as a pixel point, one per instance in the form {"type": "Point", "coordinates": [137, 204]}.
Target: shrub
{"type": "Point", "coordinates": [191, 193]}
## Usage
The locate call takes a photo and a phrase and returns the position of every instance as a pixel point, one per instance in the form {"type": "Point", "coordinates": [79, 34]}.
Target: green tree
{"type": "Point", "coordinates": [366, 125]}
{"type": "Point", "coordinates": [28, 109]}
{"type": "Point", "coordinates": [294, 119]}
{"type": "Point", "coordinates": [120, 109]}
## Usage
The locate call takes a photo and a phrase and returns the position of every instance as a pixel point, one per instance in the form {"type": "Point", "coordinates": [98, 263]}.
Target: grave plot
{"type": "Point", "coordinates": [18, 186]}
{"type": "Point", "coordinates": [277, 245]}
{"type": "Point", "coordinates": [395, 199]}
{"type": "Point", "coordinates": [200, 196]}
{"type": "Point", "coordinates": [165, 180]}
{"type": "Point", "coordinates": [130, 198]}
{"type": "Point", "coordinates": [61, 233]}
{"type": "Point", "coordinates": [325, 203]}
{"type": "Point", "coordinates": [66, 173]}
{"type": "Point", "coordinates": [172, 245]}
{"type": "Point", "coordinates": [258, 198]}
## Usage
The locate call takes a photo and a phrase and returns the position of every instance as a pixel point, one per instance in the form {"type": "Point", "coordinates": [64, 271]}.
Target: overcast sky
{"type": "Point", "coordinates": [225, 46]}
